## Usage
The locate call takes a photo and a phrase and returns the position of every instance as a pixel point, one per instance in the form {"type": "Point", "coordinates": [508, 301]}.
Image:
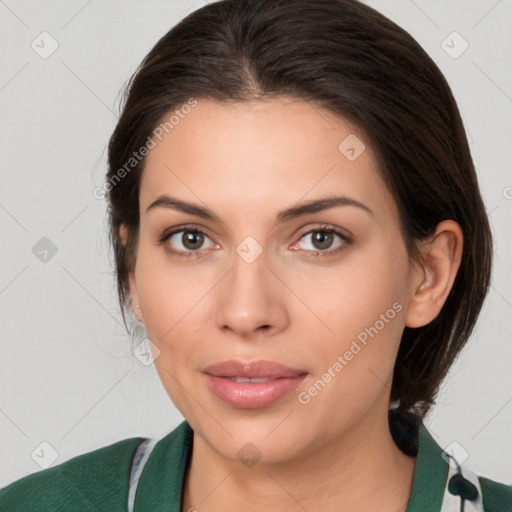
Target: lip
{"type": "Point", "coordinates": [251, 395]}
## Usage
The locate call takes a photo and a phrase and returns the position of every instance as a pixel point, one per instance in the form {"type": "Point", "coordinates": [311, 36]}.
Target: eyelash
{"type": "Point", "coordinates": [346, 241]}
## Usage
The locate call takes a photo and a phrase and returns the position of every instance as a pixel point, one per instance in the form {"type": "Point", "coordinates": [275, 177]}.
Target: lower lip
{"type": "Point", "coordinates": [247, 395]}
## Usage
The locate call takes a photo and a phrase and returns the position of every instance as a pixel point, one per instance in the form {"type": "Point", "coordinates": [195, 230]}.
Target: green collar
{"type": "Point", "coordinates": [161, 483]}
{"type": "Point", "coordinates": [430, 474]}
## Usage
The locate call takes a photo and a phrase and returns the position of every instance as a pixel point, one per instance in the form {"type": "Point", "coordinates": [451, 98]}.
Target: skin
{"type": "Point", "coordinates": [246, 162]}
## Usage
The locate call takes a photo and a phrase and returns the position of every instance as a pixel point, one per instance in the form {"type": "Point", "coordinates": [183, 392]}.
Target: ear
{"type": "Point", "coordinates": [123, 236]}
{"type": "Point", "coordinates": [433, 279]}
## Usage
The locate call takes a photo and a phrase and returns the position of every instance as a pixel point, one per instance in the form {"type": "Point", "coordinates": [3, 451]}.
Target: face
{"type": "Point", "coordinates": [247, 274]}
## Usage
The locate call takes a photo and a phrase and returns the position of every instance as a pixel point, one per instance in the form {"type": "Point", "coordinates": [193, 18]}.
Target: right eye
{"type": "Point", "coordinates": [184, 242]}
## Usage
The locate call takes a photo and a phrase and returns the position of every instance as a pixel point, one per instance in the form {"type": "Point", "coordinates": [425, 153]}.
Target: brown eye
{"type": "Point", "coordinates": [322, 239]}
{"type": "Point", "coordinates": [323, 242]}
{"type": "Point", "coordinates": [192, 240]}
{"type": "Point", "coordinates": [183, 242]}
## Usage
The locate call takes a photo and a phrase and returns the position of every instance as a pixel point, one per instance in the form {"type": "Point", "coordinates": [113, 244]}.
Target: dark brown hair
{"type": "Point", "coordinates": [353, 62]}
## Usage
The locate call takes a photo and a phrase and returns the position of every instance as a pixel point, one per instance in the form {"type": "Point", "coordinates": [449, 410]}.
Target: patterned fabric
{"type": "Point", "coordinates": [139, 461]}
{"type": "Point", "coordinates": [455, 503]}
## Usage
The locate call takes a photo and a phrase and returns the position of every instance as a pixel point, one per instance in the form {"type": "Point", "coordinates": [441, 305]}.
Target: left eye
{"type": "Point", "coordinates": [321, 240]}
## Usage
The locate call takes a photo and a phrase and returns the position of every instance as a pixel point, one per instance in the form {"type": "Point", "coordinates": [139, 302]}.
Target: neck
{"type": "Point", "coordinates": [361, 469]}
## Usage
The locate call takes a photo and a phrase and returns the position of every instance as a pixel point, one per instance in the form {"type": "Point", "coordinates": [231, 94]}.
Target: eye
{"type": "Point", "coordinates": [320, 242]}
{"type": "Point", "coordinates": [185, 241]}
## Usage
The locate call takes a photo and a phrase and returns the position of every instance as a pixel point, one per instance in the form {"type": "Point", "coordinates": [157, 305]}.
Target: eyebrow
{"type": "Point", "coordinates": [165, 201]}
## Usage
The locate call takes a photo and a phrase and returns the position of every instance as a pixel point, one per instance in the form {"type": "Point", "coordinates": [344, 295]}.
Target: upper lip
{"type": "Point", "coordinates": [254, 369]}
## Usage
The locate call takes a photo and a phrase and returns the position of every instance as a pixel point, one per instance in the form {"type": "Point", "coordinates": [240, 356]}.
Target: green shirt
{"type": "Point", "coordinates": [99, 480]}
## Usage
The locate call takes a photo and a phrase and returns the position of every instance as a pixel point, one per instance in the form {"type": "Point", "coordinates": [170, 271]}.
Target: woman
{"type": "Point", "coordinates": [297, 224]}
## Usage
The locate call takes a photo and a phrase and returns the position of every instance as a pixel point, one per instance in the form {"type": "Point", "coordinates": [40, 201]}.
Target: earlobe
{"type": "Point", "coordinates": [135, 297]}
{"type": "Point", "coordinates": [432, 283]}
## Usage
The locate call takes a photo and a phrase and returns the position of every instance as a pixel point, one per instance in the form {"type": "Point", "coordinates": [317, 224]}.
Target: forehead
{"type": "Point", "coordinates": [246, 153]}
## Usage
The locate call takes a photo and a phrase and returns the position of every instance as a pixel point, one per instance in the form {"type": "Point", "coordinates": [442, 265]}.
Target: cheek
{"type": "Point", "coordinates": [158, 281]}
{"type": "Point", "coordinates": [364, 287]}
{"type": "Point", "coordinates": [172, 297]}
{"type": "Point", "coordinates": [363, 304]}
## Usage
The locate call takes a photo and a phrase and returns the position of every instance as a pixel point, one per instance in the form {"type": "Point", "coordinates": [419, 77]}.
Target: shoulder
{"type": "Point", "coordinates": [435, 477]}
{"type": "Point", "coordinates": [93, 481]}
{"type": "Point", "coordinates": [497, 496]}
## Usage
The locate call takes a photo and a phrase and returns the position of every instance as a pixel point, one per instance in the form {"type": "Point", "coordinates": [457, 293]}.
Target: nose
{"type": "Point", "coordinates": [251, 300]}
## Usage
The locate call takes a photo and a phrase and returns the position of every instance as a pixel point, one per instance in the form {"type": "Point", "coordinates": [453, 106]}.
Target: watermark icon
{"type": "Point", "coordinates": [249, 249]}
{"type": "Point", "coordinates": [146, 352]}
{"type": "Point", "coordinates": [249, 455]}
{"type": "Point", "coordinates": [507, 193]}
{"type": "Point", "coordinates": [44, 45]}
{"type": "Point", "coordinates": [454, 45]}
{"type": "Point", "coordinates": [44, 249]}
{"type": "Point", "coordinates": [304, 397]}
{"type": "Point", "coordinates": [44, 455]}
{"type": "Point", "coordinates": [455, 451]}
{"type": "Point", "coordinates": [137, 156]}
{"type": "Point", "coordinates": [351, 147]}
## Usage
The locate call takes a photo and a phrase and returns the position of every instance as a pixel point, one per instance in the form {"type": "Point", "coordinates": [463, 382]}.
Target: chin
{"type": "Point", "coordinates": [255, 439]}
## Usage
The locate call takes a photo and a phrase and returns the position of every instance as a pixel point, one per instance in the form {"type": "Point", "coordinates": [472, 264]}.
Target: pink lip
{"type": "Point", "coordinates": [248, 395]}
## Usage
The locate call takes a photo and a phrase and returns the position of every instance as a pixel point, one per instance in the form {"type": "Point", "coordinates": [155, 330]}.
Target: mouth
{"type": "Point", "coordinates": [248, 379]}
{"type": "Point", "coordinates": [251, 385]}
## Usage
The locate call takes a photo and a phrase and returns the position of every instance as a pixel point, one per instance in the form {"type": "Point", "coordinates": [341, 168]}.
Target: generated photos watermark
{"type": "Point", "coordinates": [361, 341]}
{"type": "Point", "coordinates": [137, 156]}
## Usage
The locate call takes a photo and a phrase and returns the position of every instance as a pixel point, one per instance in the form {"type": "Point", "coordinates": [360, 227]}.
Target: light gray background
{"type": "Point", "coordinates": [67, 375]}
